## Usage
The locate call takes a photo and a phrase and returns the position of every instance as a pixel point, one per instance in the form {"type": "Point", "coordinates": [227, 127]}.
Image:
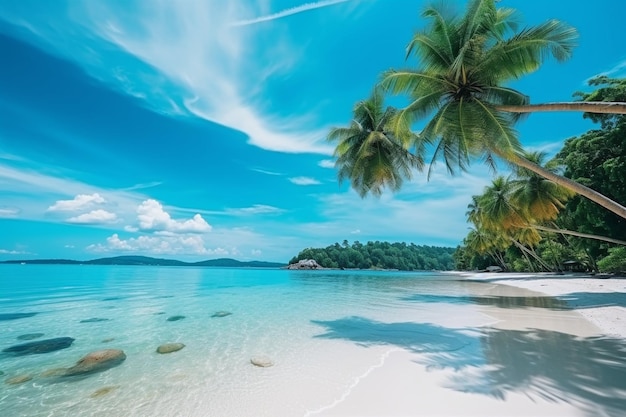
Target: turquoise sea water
{"type": "Point", "coordinates": [321, 329]}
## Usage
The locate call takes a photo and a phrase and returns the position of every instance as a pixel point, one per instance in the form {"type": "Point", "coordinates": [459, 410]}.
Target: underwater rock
{"type": "Point", "coordinates": [175, 318]}
{"type": "Point", "coordinates": [1, 373]}
{"type": "Point", "coordinates": [103, 391]}
{"type": "Point", "coordinates": [94, 320]}
{"type": "Point", "coordinates": [97, 361]}
{"type": "Point", "coordinates": [40, 346]}
{"type": "Point", "coordinates": [54, 372]}
{"type": "Point", "coordinates": [29, 336]}
{"type": "Point", "coordinates": [170, 347]}
{"type": "Point", "coordinates": [20, 379]}
{"type": "Point", "coordinates": [261, 361]}
{"type": "Point", "coordinates": [15, 316]}
{"type": "Point", "coordinates": [107, 340]}
{"type": "Point", "coordinates": [222, 314]}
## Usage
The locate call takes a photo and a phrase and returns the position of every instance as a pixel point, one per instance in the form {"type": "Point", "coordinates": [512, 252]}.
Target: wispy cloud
{"type": "Point", "coordinates": [9, 212]}
{"type": "Point", "coordinates": [617, 71]}
{"type": "Point", "coordinates": [263, 171]}
{"type": "Point", "coordinates": [304, 181]}
{"type": "Point", "coordinates": [289, 12]}
{"type": "Point", "coordinates": [256, 209]}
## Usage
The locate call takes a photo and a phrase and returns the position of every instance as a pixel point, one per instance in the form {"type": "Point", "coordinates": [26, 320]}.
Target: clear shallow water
{"type": "Point", "coordinates": [323, 330]}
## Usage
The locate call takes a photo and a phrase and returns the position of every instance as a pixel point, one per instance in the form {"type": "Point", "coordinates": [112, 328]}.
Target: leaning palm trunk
{"type": "Point", "coordinates": [525, 251]}
{"type": "Point", "coordinates": [582, 106]}
{"type": "Point", "coordinates": [580, 234]}
{"type": "Point", "coordinates": [580, 189]}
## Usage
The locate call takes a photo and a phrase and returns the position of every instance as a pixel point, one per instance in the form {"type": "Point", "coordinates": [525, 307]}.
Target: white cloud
{"type": "Point", "coordinates": [304, 181]}
{"type": "Point", "coordinates": [289, 12]}
{"type": "Point", "coordinates": [80, 202]}
{"type": "Point", "coordinates": [256, 209]}
{"type": "Point", "coordinates": [152, 217]}
{"type": "Point", "coordinates": [256, 252]}
{"type": "Point", "coordinates": [158, 245]}
{"type": "Point", "coordinates": [12, 252]}
{"type": "Point", "coordinates": [94, 217]}
{"type": "Point", "coordinates": [618, 71]}
{"type": "Point", "coordinates": [326, 163]}
{"type": "Point", "coordinates": [200, 34]}
{"type": "Point", "coordinates": [355, 231]}
{"type": "Point", "coordinates": [262, 171]}
{"type": "Point", "coordinates": [9, 212]}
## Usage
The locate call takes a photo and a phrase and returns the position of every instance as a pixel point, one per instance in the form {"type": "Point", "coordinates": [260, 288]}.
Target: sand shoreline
{"type": "Point", "coordinates": [599, 299]}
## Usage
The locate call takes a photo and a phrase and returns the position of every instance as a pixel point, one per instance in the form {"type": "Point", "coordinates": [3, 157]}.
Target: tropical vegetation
{"type": "Point", "coordinates": [459, 90]}
{"type": "Point", "coordinates": [380, 255]}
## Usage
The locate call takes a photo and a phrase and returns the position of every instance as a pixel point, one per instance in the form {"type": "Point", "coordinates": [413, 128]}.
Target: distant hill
{"type": "Point", "coordinates": [146, 260]}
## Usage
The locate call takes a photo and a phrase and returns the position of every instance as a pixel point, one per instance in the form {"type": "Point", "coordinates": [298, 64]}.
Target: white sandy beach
{"type": "Point", "coordinates": [596, 299]}
{"type": "Point", "coordinates": [400, 385]}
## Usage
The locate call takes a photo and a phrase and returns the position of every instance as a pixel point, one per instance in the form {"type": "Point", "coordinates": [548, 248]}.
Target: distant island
{"type": "Point", "coordinates": [148, 261]}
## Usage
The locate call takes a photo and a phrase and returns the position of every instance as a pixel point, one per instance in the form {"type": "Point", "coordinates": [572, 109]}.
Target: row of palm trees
{"type": "Point", "coordinates": [459, 90]}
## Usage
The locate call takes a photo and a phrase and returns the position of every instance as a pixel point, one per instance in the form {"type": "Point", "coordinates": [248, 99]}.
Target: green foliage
{"type": "Point", "coordinates": [460, 82]}
{"type": "Point", "coordinates": [380, 255]}
{"type": "Point", "coordinates": [615, 261]}
{"type": "Point", "coordinates": [597, 159]}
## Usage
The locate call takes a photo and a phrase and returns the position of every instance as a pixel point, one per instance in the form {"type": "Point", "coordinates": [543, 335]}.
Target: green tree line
{"type": "Point", "coordinates": [380, 255]}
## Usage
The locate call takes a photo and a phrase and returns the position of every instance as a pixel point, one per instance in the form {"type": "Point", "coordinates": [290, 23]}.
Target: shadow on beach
{"type": "Point", "coordinates": [563, 302]}
{"type": "Point", "coordinates": [587, 372]}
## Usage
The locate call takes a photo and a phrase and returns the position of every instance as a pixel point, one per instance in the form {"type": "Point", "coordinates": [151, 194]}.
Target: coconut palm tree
{"type": "Point", "coordinates": [465, 63]}
{"type": "Point", "coordinates": [371, 154]}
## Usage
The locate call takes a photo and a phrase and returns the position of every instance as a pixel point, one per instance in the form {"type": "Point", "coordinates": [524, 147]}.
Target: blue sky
{"type": "Point", "coordinates": [195, 129]}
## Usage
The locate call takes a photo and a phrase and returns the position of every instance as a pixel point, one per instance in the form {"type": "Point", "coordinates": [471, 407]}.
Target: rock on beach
{"type": "Point", "coordinates": [40, 346]}
{"type": "Point", "coordinates": [170, 347]}
{"type": "Point", "coordinates": [97, 361]}
{"type": "Point", "coordinates": [261, 361]}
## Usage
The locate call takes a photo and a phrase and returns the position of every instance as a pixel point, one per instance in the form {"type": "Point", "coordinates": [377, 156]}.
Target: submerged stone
{"type": "Point", "coordinates": [103, 391]}
{"type": "Point", "coordinates": [222, 314]}
{"type": "Point", "coordinates": [94, 320]}
{"type": "Point", "coordinates": [40, 346]}
{"type": "Point", "coordinates": [175, 318]}
{"type": "Point", "coordinates": [261, 361]}
{"type": "Point", "coordinates": [30, 336]}
{"type": "Point", "coordinates": [54, 372]}
{"type": "Point", "coordinates": [20, 379]}
{"type": "Point", "coordinates": [170, 347]}
{"type": "Point", "coordinates": [97, 361]}
{"type": "Point", "coordinates": [15, 316]}
{"type": "Point", "coordinates": [107, 340]}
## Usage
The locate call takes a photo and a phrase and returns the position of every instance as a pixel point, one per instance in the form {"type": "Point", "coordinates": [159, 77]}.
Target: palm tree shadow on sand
{"type": "Point", "coordinates": [589, 373]}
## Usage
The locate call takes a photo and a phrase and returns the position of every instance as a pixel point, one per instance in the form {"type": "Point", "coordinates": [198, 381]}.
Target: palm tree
{"type": "Point", "coordinates": [371, 154]}
{"type": "Point", "coordinates": [465, 63]}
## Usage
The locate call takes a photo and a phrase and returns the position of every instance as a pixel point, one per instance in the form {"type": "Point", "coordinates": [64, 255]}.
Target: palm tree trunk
{"type": "Point", "coordinates": [579, 234]}
{"type": "Point", "coordinates": [579, 106]}
{"type": "Point", "coordinates": [580, 189]}
{"type": "Point", "coordinates": [527, 252]}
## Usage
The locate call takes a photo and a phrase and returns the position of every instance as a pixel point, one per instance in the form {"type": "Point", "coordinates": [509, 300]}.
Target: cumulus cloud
{"type": "Point", "coordinates": [94, 217]}
{"type": "Point", "coordinates": [152, 217]}
{"type": "Point", "coordinates": [80, 202]}
{"type": "Point", "coordinates": [159, 245]}
{"type": "Point", "coordinates": [304, 181]}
